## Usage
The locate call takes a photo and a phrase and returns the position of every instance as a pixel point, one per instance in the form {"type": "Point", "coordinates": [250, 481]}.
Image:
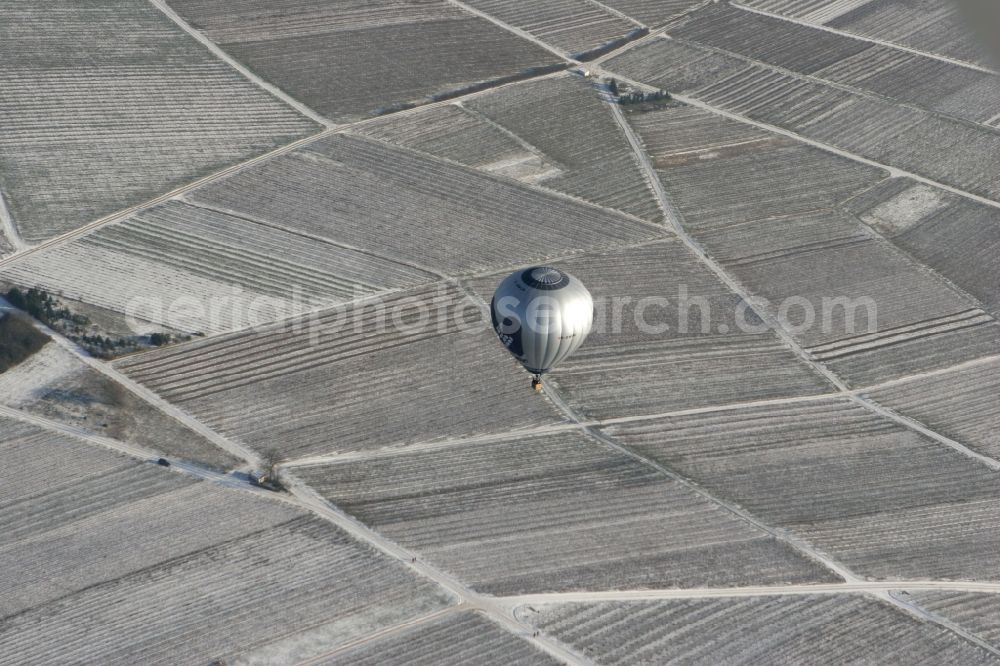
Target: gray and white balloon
{"type": "Point", "coordinates": [542, 315]}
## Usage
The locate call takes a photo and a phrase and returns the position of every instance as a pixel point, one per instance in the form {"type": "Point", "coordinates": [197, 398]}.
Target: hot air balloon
{"type": "Point", "coordinates": [542, 315]}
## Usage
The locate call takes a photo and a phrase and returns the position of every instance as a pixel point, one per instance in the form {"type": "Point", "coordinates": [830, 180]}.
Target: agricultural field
{"type": "Point", "coordinates": [885, 501]}
{"type": "Point", "coordinates": [934, 146]}
{"type": "Point", "coordinates": [955, 236]}
{"type": "Point", "coordinates": [947, 542]}
{"type": "Point", "coordinates": [963, 404]}
{"type": "Point", "coordinates": [762, 239]}
{"type": "Point", "coordinates": [453, 639]}
{"type": "Point", "coordinates": [557, 512]}
{"type": "Point", "coordinates": [58, 543]}
{"type": "Point", "coordinates": [693, 353]}
{"type": "Point", "coordinates": [722, 173]}
{"type": "Point", "coordinates": [935, 28]}
{"type": "Point", "coordinates": [808, 462]}
{"type": "Point", "coordinates": [378, 373]}
{"type": "Point", "coordinates": [978, 613]}
{"type": "Point", "coordinates": [97, 548]}
{"type": "Point", "coordinates": [674, 66]}
{"type": "Point", "coordinates": [896, 135]}
{"type": "Point", "coordinates": [260, 239]}
{"type": "Point", "coordinates": [814, 629]}
{"type": "Point", "coordinates": [574, 147]}
{"type": "Point", "coordinates": [414, 209]}
{"type": "Point", "coordinates": [945, 87]}
{"type": "Point", "coordinates": [652, 13]}
{"type": "Point", "coordinates": [573, 26]}
{"type": "Point", "coordinates": [896, 319]}
{"type": "Point", "coordinates": [928, 82]}
{"type": "Point", "coordinates": [38, 462]}
{"type": "Point", "coordinates": [348, 60]}
{"type": "Point", "coordinates": [568, 121]}
{"type": "Point", "coordinates": [312, 589]}
{"type": "Point", "coordinates": [455, 133]}
{"type": "Point", "coordinates": [771, 41]}
{"type": "Point", "coordinates": [924, 25]}
{"type": "Point", "coordinates": [55, 385]}
{"type": "Point", "coordinates": [109, 104]}
{"type": "Point", "coordinates": [196, 270]}
{"type": "Point", "coordinates": [816, 12]}
{"type": "Point", "coordinates": [784, 236]}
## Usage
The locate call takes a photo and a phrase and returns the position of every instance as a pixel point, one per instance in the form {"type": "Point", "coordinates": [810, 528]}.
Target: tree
{"type": "Point", "coordinates": [272, 460]}
{"type": "Point", "coordinates": [16, 298]}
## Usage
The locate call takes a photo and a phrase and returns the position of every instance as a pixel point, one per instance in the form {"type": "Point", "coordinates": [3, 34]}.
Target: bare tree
{"type": "Point", "coordinates": [271, 458]}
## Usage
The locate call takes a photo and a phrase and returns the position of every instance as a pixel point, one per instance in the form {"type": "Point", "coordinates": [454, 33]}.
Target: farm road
{"type": "Point", "coordinates": [703, 592]}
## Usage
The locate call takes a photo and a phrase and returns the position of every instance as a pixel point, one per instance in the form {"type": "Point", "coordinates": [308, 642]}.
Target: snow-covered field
{"type": "Point", "coordinates": [26, 382]}
{"type": "Point", "coordinates": [349, 379]}
{"type": "Point", "coordinates": [555, 512]}
{"type": "Point", "coordinates": [348, 60]}
{"type": "Point", "coordinates": [816, 630]}
{"type": "Point", "coordinates": [109, 104]}
{"type": "Point", "coordinates": [318, 199]}
{"type": "Point", "coordinates": [109, 559]}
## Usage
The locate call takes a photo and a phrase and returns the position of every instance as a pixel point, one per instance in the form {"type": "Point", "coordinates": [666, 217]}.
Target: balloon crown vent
{"type": "Point", "coordinates": [545, 277]}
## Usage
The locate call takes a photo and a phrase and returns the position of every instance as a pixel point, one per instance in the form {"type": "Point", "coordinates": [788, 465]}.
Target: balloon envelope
{"type": "Point", "coordinates": [542, 315]}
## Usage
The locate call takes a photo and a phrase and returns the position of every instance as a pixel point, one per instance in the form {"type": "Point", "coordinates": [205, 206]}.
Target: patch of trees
{"type": "Point", "coordinates": [626, 96]}
{"type": "Point", "coordinates": [19, 339]}
{"type": "Point", "coordinates": [43, 307]}
{"type": "Point", "coordinates": [641, 97]}
{"type": "Point", "coordinates": [159, 339]}
{"type": "Point", "coordinates": [77, 327]}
